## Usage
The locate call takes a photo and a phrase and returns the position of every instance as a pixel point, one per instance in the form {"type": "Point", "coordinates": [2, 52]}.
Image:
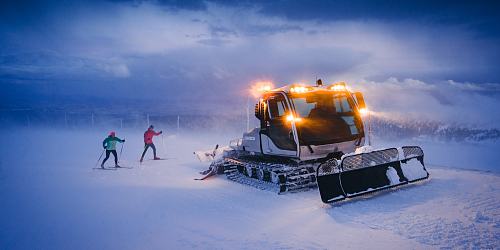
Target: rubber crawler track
{"type": "Point", "coordinates": [278, 177]}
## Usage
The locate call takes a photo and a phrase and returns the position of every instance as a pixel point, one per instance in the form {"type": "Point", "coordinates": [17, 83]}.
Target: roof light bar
{"type": "Point", "coordinates": [298, 89]}
{"type": "Point", "coordinates": [338, 87]}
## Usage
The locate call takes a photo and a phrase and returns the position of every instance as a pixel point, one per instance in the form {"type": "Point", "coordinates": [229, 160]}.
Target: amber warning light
{"type": "Point", "coordinates": [264, 88]}
{"type": "Point", "coordinates": [338, 87]}
{"type": "Point", "coordinates": [298, 89]}
{"type": "Point", "coordinates": [260, 88]}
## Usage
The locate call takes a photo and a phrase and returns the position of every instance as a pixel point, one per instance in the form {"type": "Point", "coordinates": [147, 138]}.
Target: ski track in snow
{"type": "Point", "coordinates": [51, 198]}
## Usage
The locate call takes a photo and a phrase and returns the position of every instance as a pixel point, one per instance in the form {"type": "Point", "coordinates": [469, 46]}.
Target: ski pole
{"type": "Point", "coordinates": [163, 144]}
{"type": "Point", "coordinates": [145, 146]}
{"type": "Point", "coordinates": [121, 151]}
{"type": "Point", "coordinates": [99, 159]}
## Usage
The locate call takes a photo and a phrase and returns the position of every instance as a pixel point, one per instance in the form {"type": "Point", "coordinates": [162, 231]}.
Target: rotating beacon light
{"type": "Point", "coordinates": [260, 88]}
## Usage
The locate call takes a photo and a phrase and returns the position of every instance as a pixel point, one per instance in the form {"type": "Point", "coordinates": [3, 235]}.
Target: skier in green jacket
{"type": "Point", "coordinates": [110, 145]}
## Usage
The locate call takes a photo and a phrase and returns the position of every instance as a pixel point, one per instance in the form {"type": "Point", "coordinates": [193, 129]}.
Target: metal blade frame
{"type": "Point", "coordinates": [364, 173]}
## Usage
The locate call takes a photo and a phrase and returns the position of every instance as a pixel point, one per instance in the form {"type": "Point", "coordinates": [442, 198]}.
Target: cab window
{"type": "Point", "coordinates": [277, 107]}
{"type": "Point", "coordinates": [346, 107]}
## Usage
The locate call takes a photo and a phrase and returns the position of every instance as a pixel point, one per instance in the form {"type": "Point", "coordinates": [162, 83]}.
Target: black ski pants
{"type": "Point", "coordinates": [107, 156]}
{"type": "Point", "coordinates": [146, 146]}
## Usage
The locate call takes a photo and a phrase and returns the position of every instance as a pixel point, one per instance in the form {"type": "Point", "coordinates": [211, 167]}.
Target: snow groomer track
{"type": "Point", "coordinates": [279, 175]}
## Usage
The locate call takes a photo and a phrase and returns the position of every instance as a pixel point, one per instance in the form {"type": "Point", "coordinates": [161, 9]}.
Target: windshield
{"type": "Point", "coordinates": [326, 117]}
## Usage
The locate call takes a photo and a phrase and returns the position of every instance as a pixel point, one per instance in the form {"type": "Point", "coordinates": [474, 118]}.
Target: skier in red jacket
{"type": "Point", "coordinates": [148, 141]}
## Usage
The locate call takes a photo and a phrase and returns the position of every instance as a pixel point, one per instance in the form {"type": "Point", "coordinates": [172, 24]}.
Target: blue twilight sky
{"type": "Point", "coordinates": [438, 59]}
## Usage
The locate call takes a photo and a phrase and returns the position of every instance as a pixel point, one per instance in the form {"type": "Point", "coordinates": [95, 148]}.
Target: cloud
{"type": "Point", "coordinates": [221, 31]}
{"type": "Point", "coordinates": [215, 42]}
{"type": "Point", "coordinates": [269, 30]}
{"type": "Point", "coordinates": [467, 86]}
{"type": "Point", "coordinates": [447, 101]}
{"type": "Point", "coordinates": [119, 70]}
{"type": "Point", "coordinates": [197, 5]}
{"type": "Point", "coordinates": [51, 66]}
{"type": "Point", "coordinates": [407, 84]}
{"type": "Point", "coordinates": [202, 49]}
{"type": "Point", "coordinates": [221, 73]}
{"type": "Point", "coordinates": [477, 15]}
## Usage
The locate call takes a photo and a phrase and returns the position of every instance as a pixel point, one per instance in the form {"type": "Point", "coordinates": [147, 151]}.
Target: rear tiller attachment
{"type": "Point", "coordinates": [363, 173]}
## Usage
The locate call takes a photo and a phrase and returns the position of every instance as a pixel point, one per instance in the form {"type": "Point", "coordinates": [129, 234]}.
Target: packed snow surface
{"type": "Point", "coordinates": [52, 199]}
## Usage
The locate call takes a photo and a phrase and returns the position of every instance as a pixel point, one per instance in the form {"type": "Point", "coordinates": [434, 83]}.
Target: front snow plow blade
{"type": "Point", "coordinates": [368, 172]}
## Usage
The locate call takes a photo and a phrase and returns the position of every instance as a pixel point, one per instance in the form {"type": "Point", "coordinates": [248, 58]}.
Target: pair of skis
{"type": "Point", "coordinates": [113, 168]}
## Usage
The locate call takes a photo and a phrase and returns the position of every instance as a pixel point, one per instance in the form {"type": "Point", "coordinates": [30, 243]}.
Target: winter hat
{"type": "Point", "coordinates": [151, 127]}
{"type": "Point", "coordinates": [112, 133]}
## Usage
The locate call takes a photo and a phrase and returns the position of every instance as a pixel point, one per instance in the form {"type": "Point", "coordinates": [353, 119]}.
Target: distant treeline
{"type": "Point", "coordinates": [407, 128]}
{"type": "Point", "coordinates": [392, 129]}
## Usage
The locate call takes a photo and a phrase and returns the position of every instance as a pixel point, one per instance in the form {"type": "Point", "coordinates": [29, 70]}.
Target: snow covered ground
{"type": "Point", "coordinates": [50, 198]}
